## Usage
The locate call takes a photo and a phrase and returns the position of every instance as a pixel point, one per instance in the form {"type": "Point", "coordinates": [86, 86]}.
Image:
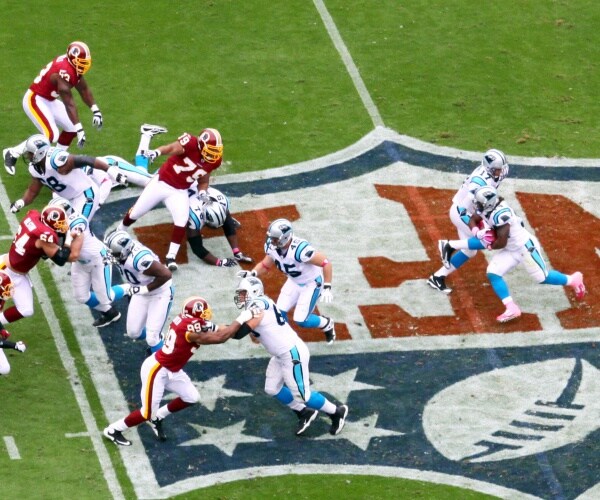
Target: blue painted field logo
{"type": "Point", "coordinates": [436, 388]}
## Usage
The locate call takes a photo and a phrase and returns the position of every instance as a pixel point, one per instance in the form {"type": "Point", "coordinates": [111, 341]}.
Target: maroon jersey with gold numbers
{"type": "Point", "coordinates": [177, 349]}
{"type": "Point", "coordinates": [44, 87]}
{"type": "Point", "coordinates": [23, 254]}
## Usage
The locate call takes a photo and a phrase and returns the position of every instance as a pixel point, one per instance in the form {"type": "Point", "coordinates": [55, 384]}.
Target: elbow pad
{"type": "Point", "coordinates": [62, 256]}
{"type": "Point", "coordinates": [81, 161]}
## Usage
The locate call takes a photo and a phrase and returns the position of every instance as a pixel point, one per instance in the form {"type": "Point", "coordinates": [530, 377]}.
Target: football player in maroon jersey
{"type": "Point", "coordinates": [190, 161]}
{"type": "Point", "coordinates": [37, 237]}
{"type": "Point", "coordinates": [6, 291]}
{"type": "Point", "coordinates": [49, 102]}
{"type": "Point", "coordinates": [163, 370]}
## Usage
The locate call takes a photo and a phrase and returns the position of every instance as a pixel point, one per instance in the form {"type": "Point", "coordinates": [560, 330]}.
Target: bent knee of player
{"type": "Point", "coordinates": [133, 334]}
{"type": "Point", "coordinates": [25, 311]}
{"type": "Point", "coordinates": [470, 253]}
{"type": "Point", "coordinates": [272, 389]}
{"type": "Point", "coordinates": [81, 297]}
{"type": "Point", "coordinates": [191, 397]}
{"type": "Point", "coordinates": [5, 369]}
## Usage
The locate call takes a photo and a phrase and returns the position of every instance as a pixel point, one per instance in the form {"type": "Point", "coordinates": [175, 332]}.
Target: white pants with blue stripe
{"type": "Point", "coordinates": [530, 255]}
{"type": "Point", "coordinates": [291, 369]}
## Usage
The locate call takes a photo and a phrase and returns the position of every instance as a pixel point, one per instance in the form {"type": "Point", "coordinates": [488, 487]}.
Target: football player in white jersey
{"type": "Point", "coordinates": [151, 289]}
{"type": "Point", "coordinates": [91, 273]}
{"type": "Point", "coordinates": [65, 174]}
{"type": "Point", "coordinates": [515, 245]}
{"type": "Point", "coordinates": [213, 211]}
{"type": "Point", "coordinates": [492, 171]}
{"type": "Point", "coordinates": [308, 272]}
{"type": "Point", "coordinates": [287, 376]}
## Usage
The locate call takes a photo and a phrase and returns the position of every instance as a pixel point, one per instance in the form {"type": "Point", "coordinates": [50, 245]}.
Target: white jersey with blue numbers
{"type": "Point", "coordinates": [478, 178]}
{"type": "Point", "coordinates": [500, 216]}
{"type": "Point", "coordinates": [92, 249]}
{"type": "Point", "coordinates": [68, 186]}
{"type": "Point", "coordinates": [138, 261]}
{"type": "Point", "coordinates": [273, 331]}
{"type": "Point", "coordinates": [293, 261]}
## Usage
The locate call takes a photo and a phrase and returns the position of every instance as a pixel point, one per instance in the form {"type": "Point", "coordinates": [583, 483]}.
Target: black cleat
{"type": "Point", "coordinates": [439, 283]}
{"type": "Point", "coordinates": [10, 161]}
{"type": "Point", "coordinates": [305, 418]}
{"type": "Point", "coordinates": [446, 252]}
{"type": "Point", "coordinates": [329, 330]}
{"type": "Point", "coordinates": [116, 437]}
{"type": "Point", "coordinates": [106, 318]}
{"type": "Point", "coordinates": [156, 426]}
{"type": "Point", "coordinates": [338, 419]}
{"type": "Point", "coordinates": [171, 264]}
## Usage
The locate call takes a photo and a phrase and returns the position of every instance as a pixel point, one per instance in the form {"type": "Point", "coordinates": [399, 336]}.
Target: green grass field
{"type": "Point", "coordinates": [519, 76]}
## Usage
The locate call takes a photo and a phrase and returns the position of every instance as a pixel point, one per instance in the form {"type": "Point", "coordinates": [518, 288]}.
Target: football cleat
{"type": "Point", "coordinates": [577, 285]}
{"type": "Point", "coordinates": [329, 330]}
{"type": "Point", "coordinates": [512, 312]}
{"type": "Point", "coordinates": [171, 264]}
{"type": "Point", "coordinates": [106, 318]}
{"type": "Point", "coordinates": [116, 437]}
{"type": "Point", "coordinates": [439, 283]}
{"type": "Point", "coordinates": [446, 252]}
{"type": "Point", "coordinates": [152, 130]}
{"type": "Point", "coordinates": [305, 418]}
{"type": "Point", "coordinates": [338, 419]}
{"type": "Point", "coordinates": [156, 426]}
{"type": "Point", "coordinates": [10, 161]}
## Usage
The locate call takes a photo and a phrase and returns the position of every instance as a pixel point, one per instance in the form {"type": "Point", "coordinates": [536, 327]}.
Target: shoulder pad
{"type": "Point", "coordinates": [57, 158]}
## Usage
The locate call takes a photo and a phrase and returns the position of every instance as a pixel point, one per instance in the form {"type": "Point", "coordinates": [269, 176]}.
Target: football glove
{"type": "Point", "coordinates": [137, 290]}
{"type": "Point", "coordinates": [97, 118]}
{"type": "Point", "coordinates": [16, 206]}
{"type": "Point", "coordinates": [20, 346]}
{"type": "Point", "coordinates": [80, 135]}
{"type": "Point", "coordinates": [209, 326]}
{"type": "Point", "coordinates": [326, 295]}
{"type": "Point", "coordinates": [152, 154]}
{"type": "Point", "coordinates": [240, 257]}
{"type": "Point", "coordinates": [203, 196]}
{"type": "Point", "coordinates": [244, 274]}
{"type": "Point", "coordinates": [227, 262]}
{"type": "Point", "coordinates": [116, 176]}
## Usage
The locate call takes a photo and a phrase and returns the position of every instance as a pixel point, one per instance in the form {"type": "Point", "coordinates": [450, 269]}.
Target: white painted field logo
{"type": "Point", "coordinates": [514, 412]}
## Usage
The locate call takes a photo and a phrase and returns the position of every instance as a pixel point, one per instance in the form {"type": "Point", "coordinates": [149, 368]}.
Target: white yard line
{"type": "Point", "coordinates": [11, 447]}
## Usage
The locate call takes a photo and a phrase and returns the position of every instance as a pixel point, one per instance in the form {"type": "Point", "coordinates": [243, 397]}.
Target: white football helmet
{"type": "Point", "coordinates": [216, 195]}
{"type": "Point", "coordinates": [59, 201]}
{"type": "Point", "coordinates": [214, 214]}
{"type": "Point", "coordinates": [120, 244]}
{"type": "Point", "coordinates": [485, 199]}
{"type": "Point", "coordinates": [36, 149]}
{"type": "Point", "coordinates": [247, 290]}
{"type": "Point", "coordinates": [495, 163]}
{"type": "Point", "coordinates": [280, 233]}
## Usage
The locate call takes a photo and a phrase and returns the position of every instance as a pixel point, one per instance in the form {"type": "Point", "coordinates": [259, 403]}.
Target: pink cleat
{"type": "Point", "coordinates": [512, 312]}
{"type": "Point", "coordinates": [577, 285]}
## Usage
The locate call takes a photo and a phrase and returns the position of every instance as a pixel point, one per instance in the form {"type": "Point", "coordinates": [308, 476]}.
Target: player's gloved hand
{"type": "Point", "coordinates": [97, 118]}
{"type": "Point", "coordinates": [116, 176]}
{"type": "Point", "coordinates": [80, 135]}
{"type": "Point", "coordinates": [137, 290]}
{"type": "Point", "coordinates": [203, 196]}
{"type": "Point", "coordinates": [209, 326]}
{"type": "Point", "coordinates": [245, 274]}
{"type": "Point", "coordinates": [20, 346]}
{"type": "Point", "coordinates": [240, 257]}
{"type": "Point", "coordinates": [4, 334]}
{"type": "Point", "coordinates": [152, 154]}
{"type": "Point", "coordinates": [16, 206]}
{"type": "Point", "coordinates": [227, 262]}
{"type": "Point", "coordinates": [326, 295]}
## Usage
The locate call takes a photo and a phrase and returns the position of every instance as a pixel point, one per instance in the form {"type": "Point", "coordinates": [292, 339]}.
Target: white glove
{"type": "Point", "coordinates": [137, 290]}
{"type": "Point", "coordinates": [227, 263]}
{"type": "Point", "coordinates": [116, 176]}
{"type": "Point", "coordinates": [16, 206]}
{"type": "Point", "coordinates": [203, 196]}
{"type": "Point", "coordinates": [80, 135]}
{"type": "Point", "coordinates": [20, 346]}
{"type": "Point", "coordinates": [326, 295]}
{"type": "Point", "coordinates": [247, 315]}
{"type": "Point", "coordinates": [244, 274]}
{"type": "Point", "coordinates": [209, 326]}
{"type": "Point", "coordinates": [152, 154]}
{"type": "Point", "coordinates": [97, 118]}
